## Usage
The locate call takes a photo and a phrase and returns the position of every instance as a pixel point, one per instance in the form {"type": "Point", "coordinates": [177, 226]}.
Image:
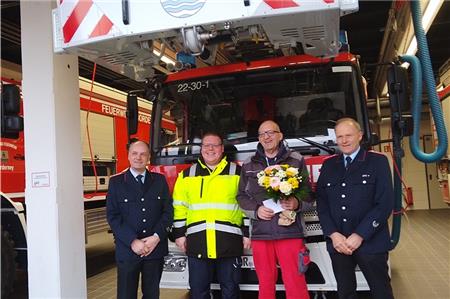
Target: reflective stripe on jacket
{"type": "Point", "coordinates": [206, 210]}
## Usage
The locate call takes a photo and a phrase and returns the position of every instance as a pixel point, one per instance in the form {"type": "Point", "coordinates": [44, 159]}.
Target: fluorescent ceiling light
{"type": "Point", "coordinates": [164, 58]}
{"type": "Point", "coordinates": [428, 16]}
{"type": "Point", "coordinates": [427, 19]}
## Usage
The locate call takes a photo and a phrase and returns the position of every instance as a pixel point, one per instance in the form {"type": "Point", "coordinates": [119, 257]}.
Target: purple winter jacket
{"type": "Point", "coordinates": [251, 195]}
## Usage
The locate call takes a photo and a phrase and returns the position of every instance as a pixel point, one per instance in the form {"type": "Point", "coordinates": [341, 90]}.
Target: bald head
{"type": "Point", "coordinates": [269, 124]}
{"type": "Point", "coordinates": [138, 155]}
{"type": "Point", "coordinates": [269, 136]}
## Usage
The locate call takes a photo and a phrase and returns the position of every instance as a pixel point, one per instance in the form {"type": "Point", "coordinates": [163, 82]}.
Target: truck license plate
{"type": "Point", "coordinates": [247, 262]}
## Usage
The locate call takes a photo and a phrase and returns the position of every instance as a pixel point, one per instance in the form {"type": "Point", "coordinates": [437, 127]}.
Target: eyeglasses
{"type": "Point", "coordinates": [267, 133]}
{"type": "Point", "coordinates": [209, 145]}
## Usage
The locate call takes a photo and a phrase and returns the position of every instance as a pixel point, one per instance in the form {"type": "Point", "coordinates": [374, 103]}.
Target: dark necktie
{"type": "Point", "coordinates": [348, 161]}
{"type": "Point", "coordinates": [139, 179]}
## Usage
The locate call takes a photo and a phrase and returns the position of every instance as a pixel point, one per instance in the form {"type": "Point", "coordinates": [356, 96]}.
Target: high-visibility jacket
{"type": "Point", "coordinates": [206, 210]}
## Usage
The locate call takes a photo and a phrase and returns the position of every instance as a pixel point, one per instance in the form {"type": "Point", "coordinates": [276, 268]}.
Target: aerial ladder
{"type": "Point", "coordinates": [132, 37]}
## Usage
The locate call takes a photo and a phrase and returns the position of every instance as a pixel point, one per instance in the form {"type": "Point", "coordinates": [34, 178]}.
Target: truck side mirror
{"type": "Point", "coordinates": [12, 122]}
{"type": "Point", "coordinates": [374, 139]}
{"type": "Point", "coordinates": [132, 114]}
{"type": "Point", "coordinates": [397, 78]}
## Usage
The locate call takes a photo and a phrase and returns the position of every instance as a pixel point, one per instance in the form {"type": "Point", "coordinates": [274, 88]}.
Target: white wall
{"type": "Point", "coordinates": [413, 171]}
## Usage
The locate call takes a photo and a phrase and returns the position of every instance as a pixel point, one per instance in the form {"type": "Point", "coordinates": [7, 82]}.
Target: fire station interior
{"type": "Point", "coordinates": [376, 33]}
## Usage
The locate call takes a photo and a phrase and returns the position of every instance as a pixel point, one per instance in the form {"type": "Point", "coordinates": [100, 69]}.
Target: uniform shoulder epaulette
{"type": "Point", "coordinates": [377, 153]}
{"type": "Point", "coordinates": [119, 173]}
{"type": "Point", "coordinates": [155, 173]}
{"type": "Point", "coordinates": [330, 157]}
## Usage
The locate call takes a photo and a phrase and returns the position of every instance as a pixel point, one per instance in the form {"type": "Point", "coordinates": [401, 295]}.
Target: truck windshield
{"type": "Point", "coordinates": [304, 101]}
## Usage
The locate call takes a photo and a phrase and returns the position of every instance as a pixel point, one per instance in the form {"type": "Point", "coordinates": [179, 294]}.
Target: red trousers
{"type": "Point", "coordinates": [266, 253]}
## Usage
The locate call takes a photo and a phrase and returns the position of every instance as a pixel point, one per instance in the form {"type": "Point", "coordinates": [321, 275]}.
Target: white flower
{"type": "Point", "coordinates": [285, 188]}
{"type": "Point", "coordinates": [281, 174]}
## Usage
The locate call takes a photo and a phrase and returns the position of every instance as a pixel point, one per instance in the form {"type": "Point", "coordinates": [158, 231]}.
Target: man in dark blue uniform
{"type": "Point", "coordinates": [355, 200]}
{"type": "Point", "coordinates": [140, 213]}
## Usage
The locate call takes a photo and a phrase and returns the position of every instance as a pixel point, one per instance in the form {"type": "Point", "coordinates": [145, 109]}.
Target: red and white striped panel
{"type": "Point", "coordinates": [82, 20]}
{"type": "Point", "coordinates": [276, 4]}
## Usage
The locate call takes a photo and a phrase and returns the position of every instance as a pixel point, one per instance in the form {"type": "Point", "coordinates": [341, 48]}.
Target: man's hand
{"type": "Point", "coordinates": [247, 243]}
{"type": "Point", "coordinates": [181, 243]}
{"type": "Point", "coordinates": [354, 241]}
{"type": "Point", "coordinates": [264, 213]}
{"type": "Point", "coordinates": [339, 243]}
{"type": "Point", "coordinates": [138, 247]}
{"type": "Point", "coordinates": [150, 244]}
{"type": "Point", "coordinates": [290, 203]}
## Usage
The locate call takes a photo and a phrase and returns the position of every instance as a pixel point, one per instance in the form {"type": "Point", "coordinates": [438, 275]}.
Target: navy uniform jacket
{"type": "Point", "coordinates": [135, 213]}
{"type": "Point", "coordinates": [359, 200]}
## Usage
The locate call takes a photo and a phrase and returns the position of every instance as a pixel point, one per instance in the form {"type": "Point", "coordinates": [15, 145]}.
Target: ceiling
{"type": "Point", "coordinates": [365, 30]}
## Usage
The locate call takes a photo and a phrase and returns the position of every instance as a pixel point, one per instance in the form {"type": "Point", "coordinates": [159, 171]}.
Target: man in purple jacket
{"type": "Point", "coordinates": [272, 242]}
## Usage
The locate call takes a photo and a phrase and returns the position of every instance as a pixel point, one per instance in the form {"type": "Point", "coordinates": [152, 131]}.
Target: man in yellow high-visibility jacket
{"type": "Point", "coordinates": [208, 223]}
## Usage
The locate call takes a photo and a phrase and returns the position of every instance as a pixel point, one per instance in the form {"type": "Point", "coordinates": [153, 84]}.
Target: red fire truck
{"type": "Point", "coordinates": [304, 94]}
{"type": "Point", "coordinates": [104, 114]}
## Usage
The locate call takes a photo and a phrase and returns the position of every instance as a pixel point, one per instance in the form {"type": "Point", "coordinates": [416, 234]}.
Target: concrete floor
{"type": "Point", "coordinates": [420, 264]}
{"type": "Point", "coordinates": [421, 260]}
{"type": "Point", "coordinates": [101, 270]}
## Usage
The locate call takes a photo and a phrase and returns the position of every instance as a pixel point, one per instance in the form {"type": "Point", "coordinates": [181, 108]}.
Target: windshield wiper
{"type": "Point", "coordinates": [324, 147]}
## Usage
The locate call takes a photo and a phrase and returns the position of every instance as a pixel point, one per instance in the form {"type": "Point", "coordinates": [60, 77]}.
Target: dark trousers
{"type": "Point", "coordinates": [128, 278]}
{"type": "Point", "coordinates": [375, 270]}
{"type": "Point", "coordinates": [201, 273]}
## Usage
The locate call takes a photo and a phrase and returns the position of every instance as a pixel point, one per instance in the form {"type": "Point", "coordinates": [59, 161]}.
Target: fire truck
{"type": "Point", "coordinates": [305, 95]}
{"type": "Point", "coordinates": [103, 114]}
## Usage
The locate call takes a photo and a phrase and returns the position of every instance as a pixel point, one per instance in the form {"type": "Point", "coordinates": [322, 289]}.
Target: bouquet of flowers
{"type": "Point", "coordinates": [281, 181]}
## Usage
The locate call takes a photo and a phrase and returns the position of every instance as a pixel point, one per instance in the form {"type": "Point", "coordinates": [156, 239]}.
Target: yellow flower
{"type": "Point", "coordinates": [266, 182]}
{"type": "Point", "coordinates": [291, 171]}
{"type": "Point", "coordinates": [293, 182]}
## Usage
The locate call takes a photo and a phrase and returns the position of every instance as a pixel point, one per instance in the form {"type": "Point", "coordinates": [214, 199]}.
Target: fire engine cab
{"type": "Point", "coordinates": [305, 95]}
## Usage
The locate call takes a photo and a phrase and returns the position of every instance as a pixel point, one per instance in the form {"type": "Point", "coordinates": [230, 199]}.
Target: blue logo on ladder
{"type": "Point", "coordinates": [182, 8]}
